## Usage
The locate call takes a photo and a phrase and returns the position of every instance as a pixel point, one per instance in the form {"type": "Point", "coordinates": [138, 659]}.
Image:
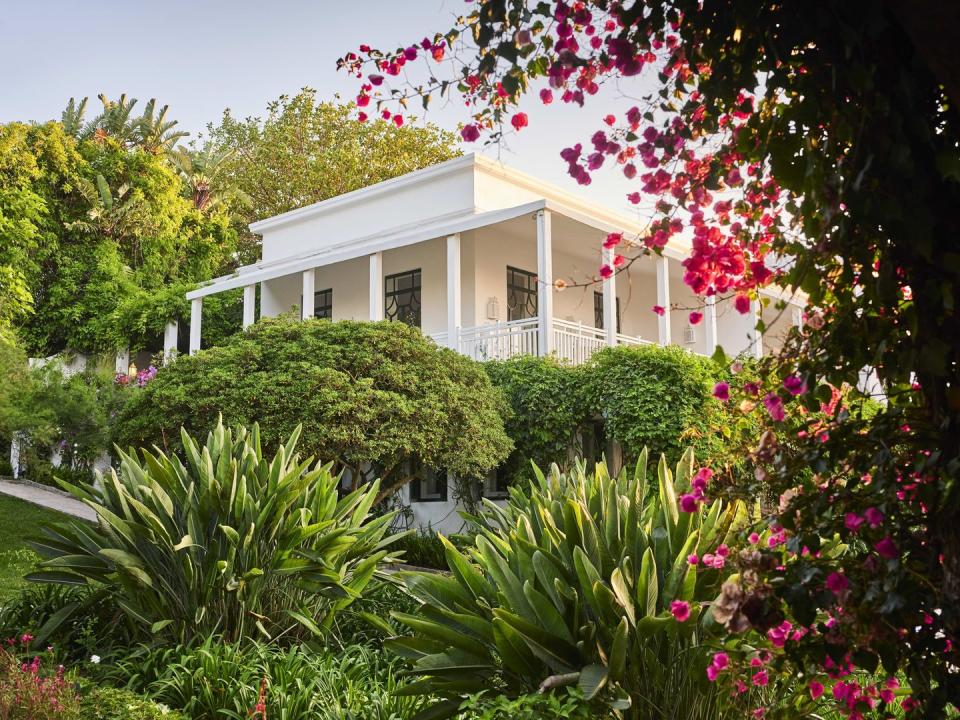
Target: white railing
{"type": "Point", "coordinates": [499, 341]}
{"type": "Point", "coordinates": [575, 341]}
{"type": "Point", "coordinates": [632, 340]}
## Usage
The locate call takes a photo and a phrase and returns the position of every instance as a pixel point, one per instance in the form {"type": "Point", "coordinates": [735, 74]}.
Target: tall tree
{"type": "Point", "coordinates": [826, 133]}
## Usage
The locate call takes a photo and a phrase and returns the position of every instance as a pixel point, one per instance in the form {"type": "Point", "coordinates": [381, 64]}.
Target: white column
{"type": "Point", "coordinates": [249, 305]}
{"type": "Point", "coordinates": [122, 361]}
{"type": "Point", "coordinates": [663, 299]}
{"type": "Point", "coordinates": [545, 282]}
{"type": "Point", "coordinates": [610, 302]}
{"type": "Point", "coordinates": [796, 315]}
{"type": "Point", "coordinates": [710, 320]}
{"type": "Point", "coordinates": [756, 337]}
{"type": "Point", "coordinates": [196, 315]}
{"type": "Point", "coordinates": [309, 287]}
{"type": "Point", "coordinates": [376, 286]}
{"type": "Point", "coordinates": [454, 310]}
{"type": "Point", "coordinates": [170, 340]}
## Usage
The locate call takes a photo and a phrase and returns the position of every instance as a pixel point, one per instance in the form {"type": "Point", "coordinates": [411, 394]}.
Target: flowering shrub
{"type": "Point", "coordinates": [30, 689]}
{"type": "Point", "coordinates": [784, 140]}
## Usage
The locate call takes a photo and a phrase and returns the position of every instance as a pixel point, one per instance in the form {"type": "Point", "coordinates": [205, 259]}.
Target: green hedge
{"type": "Point", "coordinates": [648, 396]}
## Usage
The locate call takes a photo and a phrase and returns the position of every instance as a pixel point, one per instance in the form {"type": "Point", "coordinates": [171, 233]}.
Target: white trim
{"type": "Point", "coordinates": [545, 281]}
{"type": "Point", "coordinates": [710, 319]}
{"type": "Point", "coordinates": [360, 247]}
{"type": "Point", "coordinates": [756, 337]}
{"type": "Point", "coordinates": [454, 311]}
{"type": "Point", "coordinates": [170, 339]}
{"type": "Point", "coordinates": [610, 302]}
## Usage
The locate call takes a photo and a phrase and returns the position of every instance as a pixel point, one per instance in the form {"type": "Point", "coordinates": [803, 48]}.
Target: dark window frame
{"type": "Point", "coordinates": [523, 296]}
{"type": "Point", "coordinates": [416, 486]}
{"type": "Point", "coordinates": [323, 304]}
{"type": "Point", "coordinates": [407, 312]}
{"type": "Point", "coordinates": [496, 483]}
{"type": "Point", "coordinates": [598, 311]}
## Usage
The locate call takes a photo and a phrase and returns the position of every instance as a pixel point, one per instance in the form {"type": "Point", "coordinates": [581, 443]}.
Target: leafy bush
{"type": "Point", "coordinates": [370, 396]}
{"type": "Point", "coordinates": [104, 703]}
{"type": "Point", "coordinates": [217, 679]}
{"type": "Point", "coordinates": [228, 541]}
{"type": "Point", "coordinates": [77, 621]}
{"type": "Point", "coordinates": [367, 621]}
{"type": "Point", "coordinates": [30, 689]}
{"type": "Point", "coordinates": [527, 707]}
{"type": "Point", "coordinates": [584, 580]}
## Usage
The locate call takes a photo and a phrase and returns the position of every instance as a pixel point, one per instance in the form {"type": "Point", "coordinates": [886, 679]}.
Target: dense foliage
{"type": "Point", "coordinates": [823, 132]}
{"type": "Point", "coordinates": [229, 541]}
{"type": "Point", "coordinates": [653, 397]}
{"type": "Point", "coordinates": [378, 398]}
{"type": "Point", "coordinates": [584, 580]}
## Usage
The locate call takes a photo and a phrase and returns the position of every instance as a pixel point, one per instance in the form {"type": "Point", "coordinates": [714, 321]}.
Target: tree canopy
{"type": "Point", "coordinates": [812, 145]}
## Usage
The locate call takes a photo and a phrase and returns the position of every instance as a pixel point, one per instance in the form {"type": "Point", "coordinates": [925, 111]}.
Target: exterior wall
{"type": "Point", "coordinates": [397, 206]}
{"type": "Point", "coordinates": [431, 258]}
{"type": "Point", "coordinates": [280, 294]}
{"type": "Point", "coordinates": [733, 329]}
{"type": "Point", "coordinates": [349, 281]}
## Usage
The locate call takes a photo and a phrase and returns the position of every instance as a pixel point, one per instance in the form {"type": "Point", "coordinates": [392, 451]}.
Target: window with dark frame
{"type": "Point", "coordinates": [496, 482]}
{"type": "Point", "coordinates": [521, 294]}
{"type": "Point", "coordinates": [598, 311]}
{"type": "Point", "coordinates": [402, 297]}
{"type": "Point", "coordinates": [429, 486]}
{"type": "Point", "coordinates": [323, 304]}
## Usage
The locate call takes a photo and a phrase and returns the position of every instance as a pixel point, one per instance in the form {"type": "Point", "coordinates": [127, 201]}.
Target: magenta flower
{"type": "Point", "coordinates": [795, 385]}
{"type": "Point", "coordinates": [692, 559]}
{"type": "Point", "coordinates": [873, 517]}
{"type": "Point", "coordinates": [760, 679]}
{"type": "Point", "coordinates": [852, 522]}
{"type": "Point", "coordinates": [721, 391]}
{"type": "Point", "coordinates": [470, 133]}
{"type": "Point", "coordinates": [886, 548]}
{"type": "Point", "coordinates": [720, 660]}
{"type": "Point", "coordinates": [837, 583]}
{"type": "Point", "coordinates": [659, 310]}
{"type": "Point", "coordinates": [680, 610]}
{"type": "Point", "coordinates": [696, 317]}
{"type": "Point", "coordinates": [774, 406]}
{"type": "Point", "coordinates": [742, 303]}
{"type": "Point", "coordinates": [688, 503]}
{"type": "Point", "coordinates": [816, 689]}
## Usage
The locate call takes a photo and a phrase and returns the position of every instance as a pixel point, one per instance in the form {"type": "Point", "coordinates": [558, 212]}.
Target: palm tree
{"type": "Point", "coordinates": [202, 173]}
{"type": "Point", "coordinates": [156, 133]}
{"type": "Point", "coordinates": [72, 117]}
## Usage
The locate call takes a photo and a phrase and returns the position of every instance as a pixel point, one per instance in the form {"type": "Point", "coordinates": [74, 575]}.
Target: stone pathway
{"type": "Point", "coordinates": [47, 499]}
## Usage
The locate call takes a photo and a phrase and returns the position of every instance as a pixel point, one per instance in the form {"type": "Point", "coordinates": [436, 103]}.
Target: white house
{"type": "Point", "coordinates": [469, 251]}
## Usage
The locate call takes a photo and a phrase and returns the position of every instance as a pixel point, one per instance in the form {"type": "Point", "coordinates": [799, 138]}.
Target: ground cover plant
{"type": "Point", "coordinates": [229, 541]}
{"type": "Point", "coordinates": [581, 580]}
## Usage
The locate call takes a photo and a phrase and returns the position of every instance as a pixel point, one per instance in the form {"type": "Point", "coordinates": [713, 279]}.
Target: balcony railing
{"type": "Point", "coordinates": [572, 341]}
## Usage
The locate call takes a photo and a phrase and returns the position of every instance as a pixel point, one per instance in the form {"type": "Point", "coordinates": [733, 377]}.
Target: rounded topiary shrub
{"type": "Point", "coordinates": [377, 398]}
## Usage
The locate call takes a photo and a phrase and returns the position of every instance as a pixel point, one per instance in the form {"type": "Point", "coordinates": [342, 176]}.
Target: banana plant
{"type": "Point", "coordinates": [582, 579]}
{"type": "Point", "coordinates": [226, 541]}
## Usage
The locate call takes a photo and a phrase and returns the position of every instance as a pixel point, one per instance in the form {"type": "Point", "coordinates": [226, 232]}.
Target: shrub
{"type": "Point", "coordinates": [104, 703]}
{"type": "Point", "coordinates": [217, 679]}
{"type": "Point", "coordinates": [228, 541]}
{"type": "Point", "coordinates": [584, 580]}
{"type": "Point", "coordinates": [30, 689]}
{"type": "Point", "coordinates": [556, 706]}
{"type": "Point", "coordinates": [373, 397]}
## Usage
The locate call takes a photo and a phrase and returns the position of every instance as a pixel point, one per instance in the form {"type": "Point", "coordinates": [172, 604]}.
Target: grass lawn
{"type": "Point", "coordinates": [18, 521]}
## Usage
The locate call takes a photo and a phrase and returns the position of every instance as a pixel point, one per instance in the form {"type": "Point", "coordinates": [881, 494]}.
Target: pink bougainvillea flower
{"type": "Point", "coordinates": [816, 689]}
{"type": "Point", "coordinates": [742, 303]}
{"type": "Point", "coordinates": [659, 310]}
{"type": "Point", "coordinates": [852, 522]}
{"type": "Point", "coordinates": [613, 239]}
{"type": "Point", "coordinates": [609, 119]}
{"type": "Point", "coordinates": [837, 583]}
{"type": "Point", "coordinates": [680, 609]}
{"type": "Point", "coordinates": [753, 539]}
{"type": "Point", "coordinates": [713, 672]}
{"type": "Point", "coordinates": [692, 559]}
{"type": "Point", "coordinates": [688, 503]}
{"type": "Point", "coordinates": [375, 79]}
{"type": "Point", "coordinates": [774, 406]}
{"type": "Point", "coordinates": [886, 548]}
{"type": "Point", "coordinates": [720, 660]}
{"type": "Point", "coordinates": [362, 117]}
{"type": "Point", "coordinates": [619, 260]}
{"type": "Point", "coordinates": [398, 120]}
{"type": "Point", "coordinates": [470, 133]}
{"type": "Point", "coordinates": [519, 121]}
{"type": "Point", "coordinates": [606, 271]}
{"type": "Point", "coordinates": [760, 679]}
{"type": "Point", "coordinates": [795, 385]}
{"type": "Point", "coordinates": [873, 517]}
{"type": "Point", "coordinates": [546, 96]}
{"type": "Point", "coordinates": [696, 317]}
{"type": "Point", "coordinates": [721, 391]}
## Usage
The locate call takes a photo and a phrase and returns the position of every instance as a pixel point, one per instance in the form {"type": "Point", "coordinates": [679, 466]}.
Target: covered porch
{"type": "Point", "coordinates": [485, 284]}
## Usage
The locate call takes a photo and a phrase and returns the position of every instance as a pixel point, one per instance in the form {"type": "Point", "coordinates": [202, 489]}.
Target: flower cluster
{"type": "Point", "coordinates": [33, 687]}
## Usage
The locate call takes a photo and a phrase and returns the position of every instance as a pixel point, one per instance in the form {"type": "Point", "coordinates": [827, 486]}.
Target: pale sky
{"type": "Point", "coordinates": [206, 55]}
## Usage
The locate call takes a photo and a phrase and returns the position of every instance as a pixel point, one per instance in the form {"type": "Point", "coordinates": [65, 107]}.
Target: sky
{"type": "Point", "coordinates": [203, 56]}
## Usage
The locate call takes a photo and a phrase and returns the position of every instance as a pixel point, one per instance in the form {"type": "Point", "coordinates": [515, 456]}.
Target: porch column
{"type": "Point", "coordinates": [756, 336]}
{"type": "Point", "coordinates": [610, 302]}
{"type": "Point", "coordinates": [710, 318]}
{"type": "Point", "coordinates": [545, 282]}
{"type": "Point", "coordinates": [170, 340]}
{"type": "Point", "coordinates": [663, 300]}
{"type": "Point", "coordinates": [796, 316]}
{"type": "Point", "coordinates": [249, 305]}
{"type": "Point", "coordinates": [196, 314]}
{"type": "Point", "coordinates": [376, 286]}
{"type": "Point", "coordinates": [454, 310]}
{"type": "Point", "coordinates": [309, 286]}
{"type": "Point", "coordinates": [122, 361]}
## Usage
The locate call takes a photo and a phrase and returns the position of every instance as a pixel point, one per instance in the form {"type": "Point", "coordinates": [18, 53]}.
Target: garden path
{"type": "Point", "coordinates": [47, 499]}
